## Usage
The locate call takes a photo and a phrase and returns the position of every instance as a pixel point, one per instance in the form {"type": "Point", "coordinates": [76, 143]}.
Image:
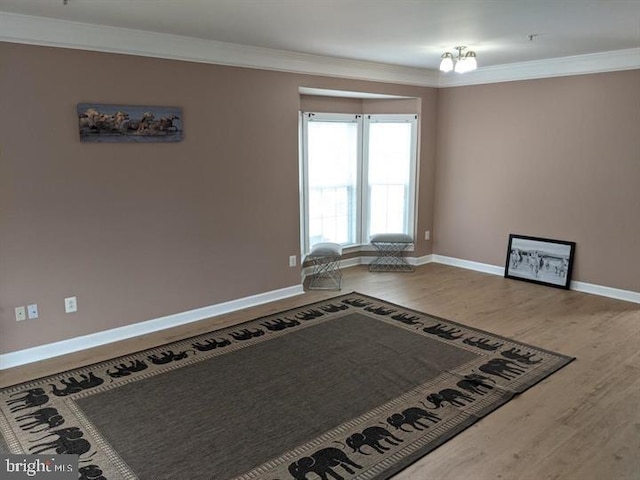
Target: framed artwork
{"type": "Point", "coordinates": [129, 123]}
{"type": "Point", "coordinates": [540, 260]}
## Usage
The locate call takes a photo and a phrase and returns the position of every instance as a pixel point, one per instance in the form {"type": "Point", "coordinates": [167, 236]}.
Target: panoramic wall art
{"type": "Point", "coordinates": [129, 123]}
{"type": "Point", "coordinates": [540, 260]}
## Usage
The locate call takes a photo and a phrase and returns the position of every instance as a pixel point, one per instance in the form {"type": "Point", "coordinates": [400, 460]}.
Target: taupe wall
{"type": "Point", "coordinates": [137, 232]}
{"type": "Point", "coordinates": [140, 231]}
{"type": "Point", "coordinates": [556, 158]}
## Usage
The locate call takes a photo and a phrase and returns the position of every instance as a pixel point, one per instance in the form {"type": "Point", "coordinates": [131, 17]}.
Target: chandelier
{"type": "Point", "coordinates": [461, 63]}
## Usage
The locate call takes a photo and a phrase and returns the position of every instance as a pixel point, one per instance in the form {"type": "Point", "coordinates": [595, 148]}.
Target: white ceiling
{"type": "Point", "coordinates": [401, 33]}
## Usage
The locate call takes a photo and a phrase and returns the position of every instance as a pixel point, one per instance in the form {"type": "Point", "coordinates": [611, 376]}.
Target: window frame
{"type": "Point", "coordinates": [410, 218]}
{"type": "Point", "coordinates": [362, 233]}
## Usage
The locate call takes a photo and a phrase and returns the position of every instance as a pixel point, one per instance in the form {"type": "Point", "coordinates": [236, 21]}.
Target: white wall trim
{"type": "Point", "coordinates": [63, 347]}
{"type": "Point", "coordinates": [469, 265]}
{"type": "Point", "coordinates": [423, 260]}
{"type": "Point", "coordinates": [628, 59]}
{"type": "Point", "coordinates": [584, 287]}
{"type": "Point", "coordinates": [603, 291]}
{"type": "Point", "coordinates": [52, 32]}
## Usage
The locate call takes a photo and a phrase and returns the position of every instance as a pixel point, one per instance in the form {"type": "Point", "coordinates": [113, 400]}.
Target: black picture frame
{"type": "Point", "coordinates": [540, 260]}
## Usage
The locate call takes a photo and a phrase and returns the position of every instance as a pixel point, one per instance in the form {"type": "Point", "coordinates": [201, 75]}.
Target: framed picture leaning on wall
{"type": "Point", "coordinates": [540, 260]}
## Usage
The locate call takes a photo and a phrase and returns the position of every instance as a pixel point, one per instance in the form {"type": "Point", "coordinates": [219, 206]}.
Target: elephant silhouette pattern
{"type": "Point", "coordinates": [46, 418]}
{"type": "Point", "coordinates": [69, 442]}
{"type": "Point", "coordinates": [123, 370]}
{"type": "Point", "coordinates": [519, 356]}
{"type": "Point", "coordinates": [29, 399]}
{"type": "Point", "coordinates": [323, 463]}
{"type": "Point", "coordinates": [502, 368]}
{"type": "Point", "coordinates": [168, 357]}
{"type": "Point", "coordinates": [309, 314]}
{"type": "Point", "coordinates": [356, 302]}
{"type": "Point", "coordinates": [280, 324]}
{"type": "Point", "coordinates": [477, 384]}
{"type": "Point", "coordinates": [372, 436]}
{"type": "Point", "coordinates": [380, 310]}
{"type": "Point", "coordinates": [483, 344]}
{"type": "Point", "coordinates": [91, 472]}
{"type": "Point", "coordinates": [439, 330]}
{"type": "Point", "coordinates": [246, 334]}
{"type": "Point", "coordinates": [451, 396]}
{"type": "Point", "coordinates": [73, 385]}
{"type": "Point", "coordinates": [407, 319]}
{"type": "Point", "coordinates": [414, 417]}
{"type": "Point", "coordinates": [211, 344]}
{"type": "Point", "coordinates": [333, 308]}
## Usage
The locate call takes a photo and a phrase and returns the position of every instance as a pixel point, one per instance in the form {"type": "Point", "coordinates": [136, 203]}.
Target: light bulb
{"type": "Point", "coordinates": [470, 61]}
{"type": "Point", "coordinates": [461, 66]}
{"type": "Point", "coordinates": [446, 65]}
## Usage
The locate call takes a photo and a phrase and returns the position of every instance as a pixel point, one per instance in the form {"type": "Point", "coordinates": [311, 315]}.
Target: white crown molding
{"type": "Point", "coordinates": [628, 59]}
{"type": "Point", "coordinates": [82, 36]}
{"type": "Point", "coordinates": [51, 32]}
{"type": "Point", "coordinates": [63, 347]}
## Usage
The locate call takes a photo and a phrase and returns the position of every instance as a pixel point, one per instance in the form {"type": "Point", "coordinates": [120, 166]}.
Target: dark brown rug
{"type": "Point", "coordinates": [348, 388]}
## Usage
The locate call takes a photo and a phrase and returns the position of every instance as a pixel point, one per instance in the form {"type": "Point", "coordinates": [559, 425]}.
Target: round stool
{"type": "Point", "coordinates": [325, 262]}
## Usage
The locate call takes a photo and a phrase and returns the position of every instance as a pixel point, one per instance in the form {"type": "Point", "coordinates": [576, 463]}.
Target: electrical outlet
{"type": "Point", "coordinates": [427, 235]}
{"type": "Point", "coordinates": [32, 310]}
{"type": "Point", "coordinates": [293, 260]}
{"type": "Point", "coordinates": [70, 305]}
{"type": "Point", "coordinates": [21, 314]}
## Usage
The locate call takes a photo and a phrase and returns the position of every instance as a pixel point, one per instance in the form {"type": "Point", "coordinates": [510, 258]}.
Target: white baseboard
{"type": "Point", "coordinates": [584, 287]}
{"type": "Point", "coordinates": [603, 291]}
{"type": "Point", "coordinates": [63, 347]}
{"type": "Point", "coordinates": [50, 350]}
{"type": "Point", "coordinates": [469, 265]}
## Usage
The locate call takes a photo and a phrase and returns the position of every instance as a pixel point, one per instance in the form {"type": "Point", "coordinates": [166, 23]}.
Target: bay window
{"type": "Point", "coordinates": [358, 176]}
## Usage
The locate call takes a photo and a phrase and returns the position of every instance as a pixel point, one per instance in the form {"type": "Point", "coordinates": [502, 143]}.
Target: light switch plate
{"type": "Point", "coordinates": [21, 314]}
{"type": "Point", "coordinates": [32, 310]}
{"type": "Point", "coordinates": [70, 305]}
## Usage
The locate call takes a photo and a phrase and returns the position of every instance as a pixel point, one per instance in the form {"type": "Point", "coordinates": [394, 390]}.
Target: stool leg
{"type": "Point", "coordinates": [326, 274]}
{"type": "Point", "coordinates": [390, 258]}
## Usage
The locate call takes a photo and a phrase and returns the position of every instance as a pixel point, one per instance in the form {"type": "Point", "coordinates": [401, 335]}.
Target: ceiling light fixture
{"type": "Point", "coordinates": [460, 64]}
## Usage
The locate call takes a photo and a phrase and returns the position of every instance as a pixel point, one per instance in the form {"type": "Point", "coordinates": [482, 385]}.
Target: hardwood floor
{"type": "Point", "coordinates": [583, 422]}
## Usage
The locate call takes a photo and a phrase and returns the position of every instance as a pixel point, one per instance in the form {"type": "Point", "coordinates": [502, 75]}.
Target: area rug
{"type": "Point", "coordinates": [348, 388]}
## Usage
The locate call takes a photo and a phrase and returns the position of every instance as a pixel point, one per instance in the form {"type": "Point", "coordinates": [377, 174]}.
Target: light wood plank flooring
{"type": "Point", "coordinates": [582, 422]}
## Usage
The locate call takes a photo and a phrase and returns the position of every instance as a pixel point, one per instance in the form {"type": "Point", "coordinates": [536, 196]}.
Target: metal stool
{"type": "Point", "coordinates": [325, 261]}
{"type": "Point", "coordinates": [390, 248]}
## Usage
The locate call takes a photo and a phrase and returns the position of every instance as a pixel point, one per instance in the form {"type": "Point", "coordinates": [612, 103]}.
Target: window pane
{"type": "Point", "coordinates": [333, 171]}
{"type": "Point", "coordinates": [390, 148]}
{"type": "Point", "coordinates": [349, 196]}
